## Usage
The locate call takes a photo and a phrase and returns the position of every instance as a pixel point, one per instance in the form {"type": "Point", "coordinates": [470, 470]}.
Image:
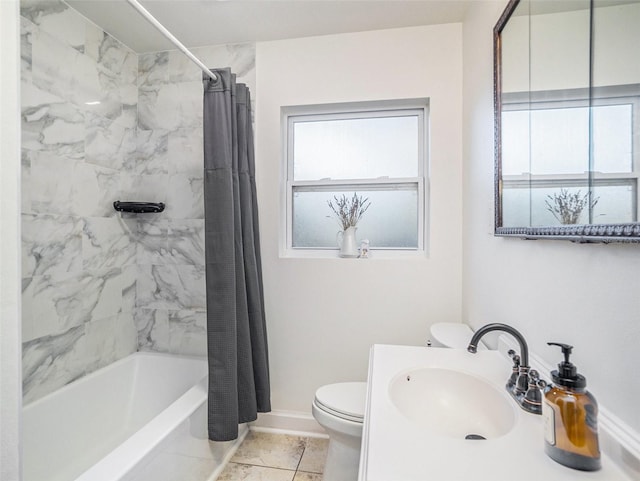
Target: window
{"type": "Point", "coordinates": [375, 149]}
{"type": "Point", "coordinates": [587, 147]}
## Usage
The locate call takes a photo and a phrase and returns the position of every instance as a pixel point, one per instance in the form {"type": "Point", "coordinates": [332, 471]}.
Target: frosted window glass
{"type": "Point", "coordinates": [613, 138]}
{"type": "Point", "coordinates": [560, 140]}
{"type": "Point", "coordinates": [391, 221]}
{"type": "Point", "coordinates": [365, 148]}
{"type": "Point", "coordinates": [527, 207]}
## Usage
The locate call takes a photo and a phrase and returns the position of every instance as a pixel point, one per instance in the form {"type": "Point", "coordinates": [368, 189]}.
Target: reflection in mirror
{"type": "Point", "coordinates": [568, 120]}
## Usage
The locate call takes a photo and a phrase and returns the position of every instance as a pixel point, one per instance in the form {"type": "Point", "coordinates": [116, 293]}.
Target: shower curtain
{"type": "Point", "coordinates": [236, 331]}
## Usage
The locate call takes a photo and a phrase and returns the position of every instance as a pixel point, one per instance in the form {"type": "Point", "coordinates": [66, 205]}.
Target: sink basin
{"type": "Point", "coordinates": [452, 403]}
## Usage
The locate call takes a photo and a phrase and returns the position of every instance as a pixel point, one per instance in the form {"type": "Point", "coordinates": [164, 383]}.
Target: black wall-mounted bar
{"type": "Point", "coordinates": [138, 207]}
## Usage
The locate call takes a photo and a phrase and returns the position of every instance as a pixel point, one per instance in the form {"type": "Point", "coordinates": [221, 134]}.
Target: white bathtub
{"type": "Point", "coordinates": [113, 423]}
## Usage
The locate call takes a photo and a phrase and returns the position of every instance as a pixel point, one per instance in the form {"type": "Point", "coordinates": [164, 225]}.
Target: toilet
{"type": "Point", "coordinates": [339, 408]}
{"type": "Point", "coordinates": [454, 335]}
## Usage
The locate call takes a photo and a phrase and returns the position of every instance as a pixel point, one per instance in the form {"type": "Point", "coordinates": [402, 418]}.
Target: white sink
{"type": "Point", "coordinates": [422, 403]}
{"type": "Point", "coordinates": [452, 403]}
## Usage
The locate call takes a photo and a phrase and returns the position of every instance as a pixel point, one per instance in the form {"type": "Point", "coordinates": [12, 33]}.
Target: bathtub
{"type": "Point", "coordinates": [113, 424]}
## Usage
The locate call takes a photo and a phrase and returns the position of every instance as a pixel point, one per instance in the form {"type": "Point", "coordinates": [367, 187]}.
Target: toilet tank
{"type": "Point", "coordinates": [454, 335]}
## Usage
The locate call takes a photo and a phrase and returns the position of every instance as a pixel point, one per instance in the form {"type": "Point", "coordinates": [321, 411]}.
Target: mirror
{"type": "Point", "coordinates": [567, 120]}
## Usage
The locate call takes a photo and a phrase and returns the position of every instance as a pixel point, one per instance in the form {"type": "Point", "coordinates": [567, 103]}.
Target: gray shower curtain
{"type": "Point", "coordinates": [236, 331]}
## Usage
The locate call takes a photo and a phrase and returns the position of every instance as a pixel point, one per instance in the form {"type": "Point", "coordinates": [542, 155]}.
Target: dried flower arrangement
{"type": "Point", "coordinates": [567, 207]}
{"type": "Point", "coordinates": [349, 211]}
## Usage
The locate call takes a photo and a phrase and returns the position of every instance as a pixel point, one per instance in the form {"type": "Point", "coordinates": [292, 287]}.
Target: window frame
{"type": "Point", "coordinates": [353, 110]}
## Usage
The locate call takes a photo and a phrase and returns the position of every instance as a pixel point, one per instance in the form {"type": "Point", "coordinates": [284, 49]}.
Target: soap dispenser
{"type": "Point", "coordinates": [570, 417]}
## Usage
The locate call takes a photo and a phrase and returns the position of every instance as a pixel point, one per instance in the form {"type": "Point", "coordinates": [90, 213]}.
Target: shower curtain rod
{"type": "Point", "coordinates": [152, 20]}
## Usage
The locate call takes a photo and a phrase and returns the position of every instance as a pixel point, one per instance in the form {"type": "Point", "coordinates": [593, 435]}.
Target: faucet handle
{"type": "Point", "coordinates": [532, 400]}
{"type": "Point", "coordinates": [511, 382]}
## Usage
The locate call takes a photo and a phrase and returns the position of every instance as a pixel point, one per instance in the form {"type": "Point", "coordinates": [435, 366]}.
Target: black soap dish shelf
{"type": "Point", "coordinates": [138, 207]}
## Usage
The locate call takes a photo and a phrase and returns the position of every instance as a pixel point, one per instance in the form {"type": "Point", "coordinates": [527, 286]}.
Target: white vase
{"type": "Point", "coordinates": [347, 242]}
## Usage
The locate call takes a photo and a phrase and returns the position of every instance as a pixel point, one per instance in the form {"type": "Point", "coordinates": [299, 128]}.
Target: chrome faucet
{"type": "Point", "coordinates": [525, 386]}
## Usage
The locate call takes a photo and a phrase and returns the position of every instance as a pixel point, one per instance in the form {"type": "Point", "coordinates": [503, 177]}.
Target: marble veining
{"type": "Point", "coordinates": [51, 245]}
{"type": "Point", "coordinates": [186, 152]}
{"type": "Point", "coordinates": [106, 243]}
{"type": "Point", "coordinates": [188, 332]}
{"type": "Point", "coordinates": [171, 287]}
{"type": "Point", "coordinates": [153, 329]}
{"type": "Point", "coordinates": [152, 151]}
{"type": "Point", "coordinates": [56, 18]}
{"type": "Point", "coordinates": [49, 362]}
{"type": "Point", "coordinates": [100, 123]}
{"type": "Point", "coordinates": [185, 241]}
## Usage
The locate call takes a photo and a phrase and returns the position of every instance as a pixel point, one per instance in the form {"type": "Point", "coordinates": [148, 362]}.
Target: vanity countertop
{"type": "Point", "coordinates": [395, 449]}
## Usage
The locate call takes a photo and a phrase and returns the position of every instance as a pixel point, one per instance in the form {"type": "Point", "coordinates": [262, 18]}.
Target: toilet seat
{"type": "Point", "coordinates": [343, 400]}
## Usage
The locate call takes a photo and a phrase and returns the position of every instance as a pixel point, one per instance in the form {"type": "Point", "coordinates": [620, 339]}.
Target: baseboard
{"type": "Point", "coordinates": [288, 422]}
{"type": "Point", "coordinates": [617, 440]}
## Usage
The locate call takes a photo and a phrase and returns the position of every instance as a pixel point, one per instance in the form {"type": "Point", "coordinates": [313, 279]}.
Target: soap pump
{"type": "Point", "coordinates": [570, 416]}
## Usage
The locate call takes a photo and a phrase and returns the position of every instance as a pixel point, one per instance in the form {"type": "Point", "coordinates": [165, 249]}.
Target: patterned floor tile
{"type": "Point", "coordinates": [245, 472]}
{"type": "Point", "coordinates": [273, 450]}
{"type": "Point", "coordinates": [302, 476]}
{"type": "Point", "coordinates": [315, 455]}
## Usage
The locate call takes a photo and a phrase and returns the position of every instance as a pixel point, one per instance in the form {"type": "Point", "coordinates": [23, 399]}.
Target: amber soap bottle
{"type": "Point", "coordinates": [570, 415]}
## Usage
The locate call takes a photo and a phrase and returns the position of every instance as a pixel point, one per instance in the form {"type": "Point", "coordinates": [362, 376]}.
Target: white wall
{"type": "Point", "coordinates": [10, 392]}
{"type": "Point", "coordinates": [585, 295]}
{"type": "Point", "coordinates": [324, 314]}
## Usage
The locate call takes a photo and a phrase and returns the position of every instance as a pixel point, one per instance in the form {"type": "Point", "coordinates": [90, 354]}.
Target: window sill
{"type": "Point", "coordinates": [374, 254]}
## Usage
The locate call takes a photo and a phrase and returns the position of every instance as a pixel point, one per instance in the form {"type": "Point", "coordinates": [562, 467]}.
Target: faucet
{"type": "Point", "coordinates": [525, 387]}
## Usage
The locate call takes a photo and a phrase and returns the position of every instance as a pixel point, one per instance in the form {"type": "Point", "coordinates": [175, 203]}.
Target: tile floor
{"type": "Point", "coordinates": [277, 457]}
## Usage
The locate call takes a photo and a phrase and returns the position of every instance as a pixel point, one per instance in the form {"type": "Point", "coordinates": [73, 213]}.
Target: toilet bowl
{"type": "Point", "coordinates": [339, 409]}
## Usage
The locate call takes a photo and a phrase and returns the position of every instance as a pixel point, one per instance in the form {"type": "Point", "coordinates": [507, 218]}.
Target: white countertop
{"type": "Point", "coordinates": [393, 449]}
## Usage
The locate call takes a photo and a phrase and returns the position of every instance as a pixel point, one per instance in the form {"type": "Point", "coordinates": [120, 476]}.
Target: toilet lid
{"type": "Point", "coordinates": [345, 400]}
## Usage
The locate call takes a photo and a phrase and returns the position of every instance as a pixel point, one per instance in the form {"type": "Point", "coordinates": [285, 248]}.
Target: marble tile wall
{"type": "Point", "coordinates": [100, 123]}
{"type": "Point", "coordinates": [79, 120]}
{"type": "Point", "coordinates": [170, 312]}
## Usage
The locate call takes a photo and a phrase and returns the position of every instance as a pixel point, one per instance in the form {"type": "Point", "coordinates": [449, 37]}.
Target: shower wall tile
{"type": "Point", "coordinates": [52, 304]}
{"type": "Point", "coordinates": [170, 250]}
{"type": "Point", "coordinates": [129, 279]}
{"type": "Point", "coordinates": [170, 106]}
{"type": "Point", "coordinates": [63, 71]}
{"type": "Point", "coordinates": [79, 121]}
{"type": "Point", "coordinates": [148, 188]}
{"type": "Point", "coordinates": [108, 143]}
{"type": "Point", "coordinates": [153, 329]}
{"type": "Point", "coordinates": [107, 340]}
{"type": "Point", "coordinates": [52, 184]}
{"type": "Point", "coordinates": [96, 188]}
{"type": "Point", "coordinates": [26, 30]}
{"type": "Point", "coordinates": [188, 332]}
{"type": "Point", "coordinates": [185, 152]}
{"type": "Point", "coordinates": [107, 243]}
{"type": "Point", "coordinates": [57, 19]}
{"type": "Point", "coordinates": [102, 124]}
{"type": "Point", "coordinates": [174, 287]}
{"type": "Point", "coordinates": [51, 362]}
{"type": "Point", "coordinates": [51, 245]}
{"type": "Point", "coordinates": [152, 246]}
{"type": "Point", "coordinates": [51, 124]}
{"type": "Point", "coordinates": [185, 242]}
{"type": "Point", "coordinates": [178, 332]}
{"type": "Point", "coordinates": [152, 152]}
{"type": "Point", "coordinates": [153, 69]}
{"type": "Point", "coordinates": [240, 57]}
{"type": "Point", "coordinates": [25, 178]}
{"type": "Point", "coordinates": [185, 197]}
